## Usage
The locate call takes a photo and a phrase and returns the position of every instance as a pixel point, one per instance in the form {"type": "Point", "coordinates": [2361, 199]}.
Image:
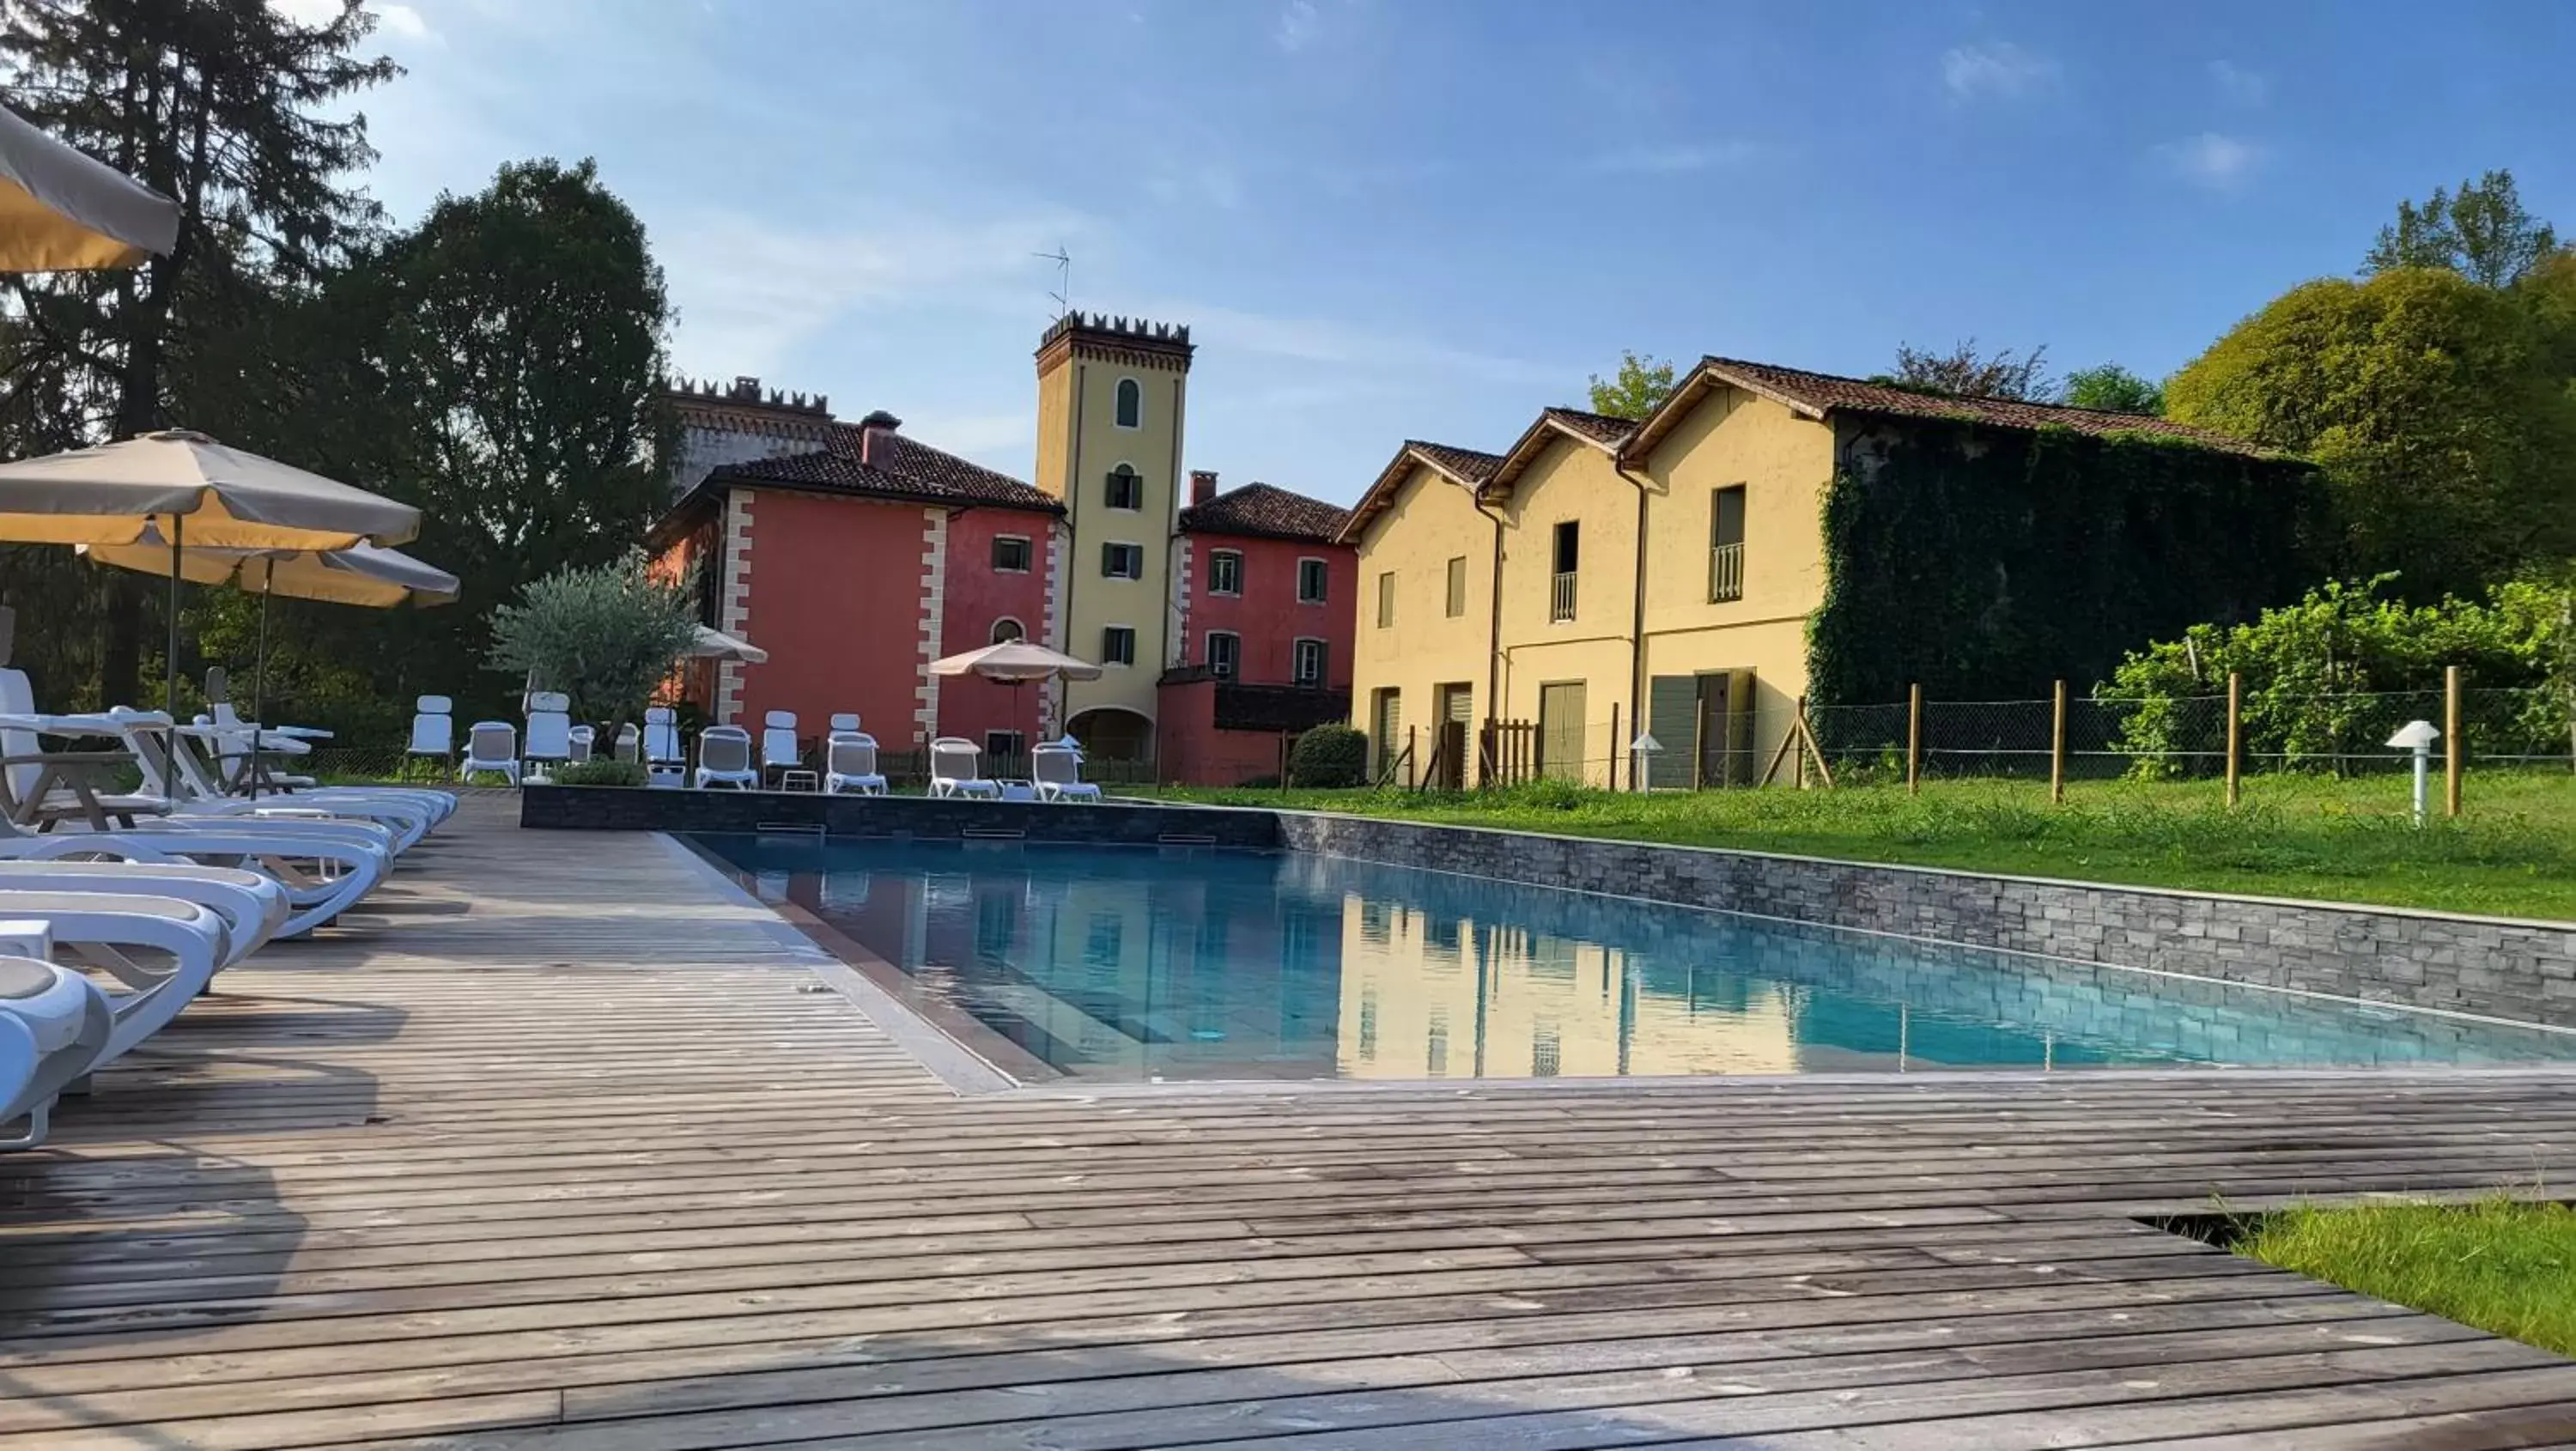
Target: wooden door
{"type": "Point", "coordinates": [1560, 730]}
{"type": "Point", "coordinates": [1456, 703]}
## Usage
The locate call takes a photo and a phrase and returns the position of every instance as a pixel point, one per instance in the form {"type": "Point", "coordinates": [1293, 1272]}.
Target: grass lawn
{"type": "Point", "coordinates": [2512, 853]}
{"type": "Point", "coordinates": [2505, 1267]}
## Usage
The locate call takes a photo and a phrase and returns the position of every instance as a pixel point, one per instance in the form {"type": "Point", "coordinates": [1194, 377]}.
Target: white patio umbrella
{"type": "Point", "coordinates": [1015, 663]}
{"type": "Point", "coordinates": [185, 488]}
{"type": "Point", "coordinates": [361, 574]}
{"type": "Point", "coordinates": [60, 210]}
{"type": "Point", "coordinates": [717, 645]}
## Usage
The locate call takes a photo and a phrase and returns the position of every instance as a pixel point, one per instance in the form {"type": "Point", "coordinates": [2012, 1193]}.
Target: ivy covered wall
{"type": "Point", "coordinates": [1984, 563]}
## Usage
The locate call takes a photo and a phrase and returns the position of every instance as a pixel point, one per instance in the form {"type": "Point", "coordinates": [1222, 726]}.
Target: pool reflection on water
{"type": "Point", "coordinates": [1123, 963]}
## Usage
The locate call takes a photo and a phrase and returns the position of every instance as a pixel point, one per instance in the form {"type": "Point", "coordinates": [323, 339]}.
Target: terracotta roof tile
{"type": "Point", "coordinates": [1823, 392]}
{"type": "Point", "coordinates": [916, 471]}
{"type": "Point", "coordinates": [1599, 427]}
{"type": "Point", "coordinates": [1466, 463]}
{"type": "Point", "coordinates": [1266, 511]}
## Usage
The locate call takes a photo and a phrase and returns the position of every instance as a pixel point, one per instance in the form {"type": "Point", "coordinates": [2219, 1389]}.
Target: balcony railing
{"type": "Point", "coordinates": [1726, 572]}
{"type": "Point", "coordinates": [1560, 601]}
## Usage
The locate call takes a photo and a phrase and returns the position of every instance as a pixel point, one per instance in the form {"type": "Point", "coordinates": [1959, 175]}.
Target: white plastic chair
{"type": "Point", "coordinates": [549, 732]}
{"type": "Point", "coordinates": [724, 758]}
{"type": "Point", "coordinates": [583, 739]}
{"type": "Point", "coordinates": [433, 730]}
{"type": "Point", "coordinates": [629, 745]}
{"type": "Point", "coordinates": [664, 764]}
{"type": "Point", "coordinates": [491, 745]}
{"type": "Point", "coordinates": [1058, 772]}
{"type": "Point", "coordinates": [850, 764]}
{"type": "Point", "coordinates": [954, 763]}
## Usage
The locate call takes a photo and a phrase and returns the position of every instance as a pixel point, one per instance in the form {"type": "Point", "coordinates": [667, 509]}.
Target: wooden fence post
{"type": "Point", "coordinates": [2452, 753]}
{"type": "Point", "coordinates": [2235, 732]}
{"type": "Point", "coordinates": [1795, 726]}
{"type": "Point", "coordinates": [1614, 745]}
{"type": "Point", "coordinates": [1913, 739]}
{"type": "Point", "coordinates": [2057, 748]}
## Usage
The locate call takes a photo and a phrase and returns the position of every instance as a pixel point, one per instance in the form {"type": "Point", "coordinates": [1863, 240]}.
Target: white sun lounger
{"type": "Point", "coordinates": [100, 929]}
{"type": "Point", "coordinates": [850, 763]}
{"type": "Point", "coordinates": [665, 764]}
{"type": "Point", "coordinates": [954, 764]}
{"type": "Point", "coordinates": [724, 759]}
{"type": "Point", "coordinates": [549, 734]}
{"type": "Point", "coordinates": [1057, 770]}
{"type": "Point", "coordinates": [433, 729]}
{"type": "Point", "coordinates": [54, 1029]}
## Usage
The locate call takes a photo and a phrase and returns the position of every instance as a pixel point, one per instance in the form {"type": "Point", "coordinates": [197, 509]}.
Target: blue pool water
{"type": "Point", "coordinates": [1135, 964]}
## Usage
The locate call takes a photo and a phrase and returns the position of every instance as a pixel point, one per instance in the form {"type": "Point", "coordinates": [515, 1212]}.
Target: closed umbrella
{"type": "Point", "coordinates": [60, 210]}
{"type": "Point", "coordinates": [709, 644]}
{"type": "Point", "coordinates": [1016, 663]}
{"type": "Point", "coordinates": [361, 574]}
{"type": "Point", "coordinates": [186, 489]}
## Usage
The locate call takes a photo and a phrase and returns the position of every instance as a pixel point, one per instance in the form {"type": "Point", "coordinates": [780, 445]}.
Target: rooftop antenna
{"type": "Point", "coordinates": [1063, 294]}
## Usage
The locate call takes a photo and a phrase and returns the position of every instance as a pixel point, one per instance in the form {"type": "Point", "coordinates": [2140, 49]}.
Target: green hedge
{"type": "Point", "coordinates": [1984, 563]}
{"type": "Point", "coordinates": [1329, 757]}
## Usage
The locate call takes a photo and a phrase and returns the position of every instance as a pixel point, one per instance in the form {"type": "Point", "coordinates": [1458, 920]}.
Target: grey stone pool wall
{"type": "Point", "coordinates": [2524, 971]}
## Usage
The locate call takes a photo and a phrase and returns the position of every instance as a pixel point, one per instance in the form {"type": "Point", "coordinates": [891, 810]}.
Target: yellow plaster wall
{"type": "Point", "coordinates": [1571, 480]}
{"type": "Point", "coordinates": [1092, 445]}
{"type": "Point", "coordinates": [1431, 521]}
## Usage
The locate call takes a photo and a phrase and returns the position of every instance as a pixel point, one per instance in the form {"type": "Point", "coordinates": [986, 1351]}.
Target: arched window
{"type": "Point", "coordinates": [1126, 489]}
{"type": "Point", "coordinates": [1131, 403]}
{"type": "Point", "coordinates": [1007, 629]}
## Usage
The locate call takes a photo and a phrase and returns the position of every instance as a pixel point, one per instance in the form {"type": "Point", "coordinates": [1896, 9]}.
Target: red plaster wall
{"type": "Point", "coordinates": [836, 601]}
{"type": "Point", "coordinates": [1191, 751]}
{"type": "Point", "coordinates": [977, 596]}
{"type": "Point", "coordinates": [1268, 614]}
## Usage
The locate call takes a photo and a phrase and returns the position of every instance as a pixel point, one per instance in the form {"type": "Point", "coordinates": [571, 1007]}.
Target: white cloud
{"type": "Point", "coordinates": [2221, 163]}
{"type": "Point", "coordinates": [1297, 26]}
{"type": "Point", "coordinates": [404, 21]}
{"type": "Point", "coordinates": [749, 294]}
{"type": "Point", "coordinates": [2237, 84]}
{"type": "Point", "coordinates": [1674, 160]}
{"type": "Point", "coordinates": [1998, 68]}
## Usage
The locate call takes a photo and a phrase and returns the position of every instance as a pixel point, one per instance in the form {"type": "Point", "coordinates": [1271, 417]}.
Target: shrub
{"type": "Point", "coordinates": [1329, 756]}
{"type": "Point", "coordinates": [601, 773]}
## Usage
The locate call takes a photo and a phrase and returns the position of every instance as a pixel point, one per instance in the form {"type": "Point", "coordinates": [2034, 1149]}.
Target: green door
{"type": "Point", "coordinates": [1560, 730]}
{"type": "Point", "coordinates": [1672, 718]}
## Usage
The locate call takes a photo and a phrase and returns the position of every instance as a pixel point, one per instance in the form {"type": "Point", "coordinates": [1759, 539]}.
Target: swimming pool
{"type": "Point", "coordinates": [1143, 964]}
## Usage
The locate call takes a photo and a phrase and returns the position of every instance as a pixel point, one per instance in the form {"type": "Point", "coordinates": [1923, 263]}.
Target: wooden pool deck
{"type": "Point", "coordinates": [557, 1146]}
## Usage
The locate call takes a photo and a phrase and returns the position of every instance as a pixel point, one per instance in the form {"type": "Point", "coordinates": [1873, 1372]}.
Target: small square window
{"type": "Point", "coordinates": [1011, 554]}
{"type": "Point", "coordinates": [1310, 581]}
{"type": "Point", "coordinates": [1122, 561]}
{"type": "Point", "coordinates": [1126, 488]}
{"type": "Point", "coordinates": [1224, 653]}
{"type": "Point", "coordinates": [1225, 572]}
{"type": "Point", "coordinates": [1118, 645]}
{"type": "Point", "coordinates": [1310, 662]}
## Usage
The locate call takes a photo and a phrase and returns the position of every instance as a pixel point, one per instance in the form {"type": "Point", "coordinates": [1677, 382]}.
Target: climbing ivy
{"type": "Point", "coordinates": [1984, 563]}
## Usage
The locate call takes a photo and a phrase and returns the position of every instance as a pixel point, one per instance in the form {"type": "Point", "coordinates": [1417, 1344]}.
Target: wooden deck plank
{"type": "Point", "coordinates": [553, 1145]}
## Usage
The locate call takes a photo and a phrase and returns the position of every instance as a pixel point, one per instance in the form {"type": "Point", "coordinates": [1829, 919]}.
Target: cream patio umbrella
{"type": "Point", "coordinates": [1015, 663]}
{"type": "Point", "coordinates": [710, 644]}
{"type": "Point", "coordinates": [60, 210]}
{"type": "Point", "coordinates": [190, 491]}
{"type": "Point", "coordinates": [361, 574]}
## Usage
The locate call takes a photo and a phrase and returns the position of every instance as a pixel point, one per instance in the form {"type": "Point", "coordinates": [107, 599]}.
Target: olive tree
{"type": "Point", "coordinates": [605, 635]}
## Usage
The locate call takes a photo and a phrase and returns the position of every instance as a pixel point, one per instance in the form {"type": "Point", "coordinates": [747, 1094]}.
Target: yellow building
{"type": "Point", "coordinates": [1112, 400]}
{"type": "Point", "coordinates": [1667, 567]}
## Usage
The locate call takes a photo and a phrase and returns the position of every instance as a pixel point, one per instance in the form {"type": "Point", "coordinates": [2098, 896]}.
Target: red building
{"type": "Point", "coordinates": [1267, 605]}
{"type": "Point", "coordinates": [854, 564]}
{"type": "Point", "coordinates": [855, 556]}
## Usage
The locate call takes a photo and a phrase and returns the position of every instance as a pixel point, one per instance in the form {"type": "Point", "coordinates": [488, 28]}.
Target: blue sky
{"type": "Point", "coordinates": [1428, 218]}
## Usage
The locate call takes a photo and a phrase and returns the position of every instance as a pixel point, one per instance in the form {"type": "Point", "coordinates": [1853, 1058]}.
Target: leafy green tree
{"type": "Point", "coordinates": [2482, 231]}
{"type": "Point", "coordinates": [2430, 404]}
{"type": "Point", "coordinates": [1639, 387]}
{"type": "Point", "coordinates": [2112, 389]}
{"type": "Point", "coordinates": [1964, 372]}
{"type": "Point", "coordinates": [606, 635]}
{"type": "Point", "coordinates": [239, 112]}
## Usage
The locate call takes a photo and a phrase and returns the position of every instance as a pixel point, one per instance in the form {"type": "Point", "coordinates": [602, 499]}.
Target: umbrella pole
{"type": "Point", "coordinates": [170, 669]}
{"type": "Point", "coordinates": [259, 669]}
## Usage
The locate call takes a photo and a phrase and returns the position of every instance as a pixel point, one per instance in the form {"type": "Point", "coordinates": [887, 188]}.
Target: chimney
{"type": "Point", "coordinates": [876, 446]}
{"type": "Point", "coordinates": [1202, 485]}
